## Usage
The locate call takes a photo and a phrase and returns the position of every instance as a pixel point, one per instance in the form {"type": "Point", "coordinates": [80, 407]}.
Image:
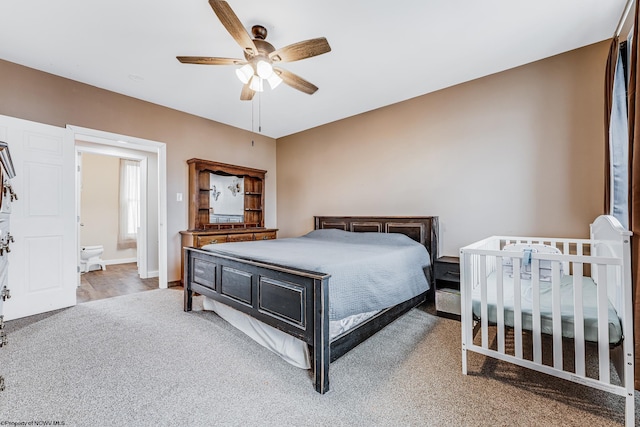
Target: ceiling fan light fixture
{"type": "Point", "coordinates": [245, 73]}
{"type": "Point", "coordinates": [274, 80]}
{"type": "Point", "coordinates": [256, 84]}
{"type": "Point", "coordinates": [264, 69]}
{"type": "Point", "coordinates": [260, 55]}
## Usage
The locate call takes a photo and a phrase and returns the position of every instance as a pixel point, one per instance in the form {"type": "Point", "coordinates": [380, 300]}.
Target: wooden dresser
{"type": "Point", "coordinates": [208, 187]}
{"type": "Point", "coordinates": [198, 239]}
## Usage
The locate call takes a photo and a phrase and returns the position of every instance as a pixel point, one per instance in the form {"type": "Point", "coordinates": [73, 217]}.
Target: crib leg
{"type": "Point", "coordinates": [465, 334]}
{"type": "Point", "coordinates": [464, 360]}
{"type": "Point", "coordinates": [630, 418]}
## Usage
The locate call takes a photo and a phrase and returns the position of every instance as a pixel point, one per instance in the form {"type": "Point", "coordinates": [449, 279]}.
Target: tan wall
{"type": "Point", "coordinates": [33, 95]}
{"type": "Point", "coordinates": [100, 205]}
{"type": "Point", "coordinates": [519, 152]}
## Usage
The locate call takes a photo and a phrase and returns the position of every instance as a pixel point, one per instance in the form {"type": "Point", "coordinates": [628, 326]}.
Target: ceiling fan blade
{"type": "Point", "coordinates": [296, 81]}
{"type": "Point", "coordinates": [205, 60]}
{"type": "Point", "coordinates": [301, 50]}
{"type": "Point", "coordinates": [247, 93]}
{"type": "Point", "coordinates": [233, 25]}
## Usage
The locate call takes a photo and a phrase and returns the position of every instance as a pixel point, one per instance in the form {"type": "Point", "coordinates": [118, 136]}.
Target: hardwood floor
{"type": "Point", "coordinates": [117, 279]}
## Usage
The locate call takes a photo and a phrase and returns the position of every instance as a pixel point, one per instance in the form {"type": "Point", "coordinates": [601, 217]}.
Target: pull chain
{"type": "Point", "coordinates": [259, 112]}
{"type": "Point", "coordinates": [252, 132]}
{"type": "Point", "coordinates": [259, 115]}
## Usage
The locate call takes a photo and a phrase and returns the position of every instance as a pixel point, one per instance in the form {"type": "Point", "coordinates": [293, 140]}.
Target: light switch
{"type": "Point", "coordinates": [178, 197]}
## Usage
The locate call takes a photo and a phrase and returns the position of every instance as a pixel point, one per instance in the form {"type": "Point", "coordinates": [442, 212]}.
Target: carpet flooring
{"type": "Point", "coordinates": [140, 360]}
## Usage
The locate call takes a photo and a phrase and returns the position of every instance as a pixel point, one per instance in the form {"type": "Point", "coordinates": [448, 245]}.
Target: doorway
{"type": "Point", "coordinates": [114, 213]}
{"type": "Point", "coordinates": [148, 267]}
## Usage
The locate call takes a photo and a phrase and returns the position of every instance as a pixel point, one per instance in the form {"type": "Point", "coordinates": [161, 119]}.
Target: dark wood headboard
{"type": "Point", "coordinates": [422, 229]}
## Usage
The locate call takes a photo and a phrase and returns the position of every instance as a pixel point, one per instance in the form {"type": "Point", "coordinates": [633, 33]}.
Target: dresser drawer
{"type": "Point", "coordinates": [208, 240]}
{"type": "Point", "coordinates": [448, 302]}
{"type": "Point", "coordinates": [243, 237]}
{"type": "Point", "coordinates": [269, 235]}
{"type": "Point", "coordinates": [447, 271]}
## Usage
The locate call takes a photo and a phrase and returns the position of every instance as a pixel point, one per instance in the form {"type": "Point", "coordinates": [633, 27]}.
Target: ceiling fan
{"type": "Point", "coordinates": [260, 56]}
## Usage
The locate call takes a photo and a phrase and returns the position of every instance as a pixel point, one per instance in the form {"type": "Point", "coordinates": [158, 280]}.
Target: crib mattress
{"type": "Point", "coordinates": [589, 292]}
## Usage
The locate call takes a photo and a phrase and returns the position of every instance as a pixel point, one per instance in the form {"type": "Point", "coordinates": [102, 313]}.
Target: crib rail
{"type": "Point", "coordinates": [483, 277]}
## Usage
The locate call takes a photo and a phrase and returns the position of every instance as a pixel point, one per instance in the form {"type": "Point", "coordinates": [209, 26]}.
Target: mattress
{"type": "Point", "coordinates": [589, 292]}
{"type": "Point", "coordinates": [369, 271]}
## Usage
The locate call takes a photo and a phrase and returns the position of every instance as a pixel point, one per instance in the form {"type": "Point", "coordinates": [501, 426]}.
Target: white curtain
{"type": "Point", "coordinates": [619, 142]}
{"type": "Point", "coordinates": [129, 203]}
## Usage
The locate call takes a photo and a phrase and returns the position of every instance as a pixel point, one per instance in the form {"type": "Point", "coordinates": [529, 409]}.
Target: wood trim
{"type": "Point", "coordinates": [208, 165]}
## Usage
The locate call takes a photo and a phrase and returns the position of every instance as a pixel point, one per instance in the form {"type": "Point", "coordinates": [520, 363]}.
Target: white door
{"type": "Point", "coordinates": [42, 261]}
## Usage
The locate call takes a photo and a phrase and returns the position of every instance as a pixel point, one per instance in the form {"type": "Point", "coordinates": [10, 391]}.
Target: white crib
{"type": "Point", "coordinates": [585, 293]}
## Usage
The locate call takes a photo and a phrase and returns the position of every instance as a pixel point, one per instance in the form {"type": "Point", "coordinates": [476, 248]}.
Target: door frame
{"type": "Point", "coordinates": [111, 142]}
{"type": "Point", "coordinates": [141, 246]}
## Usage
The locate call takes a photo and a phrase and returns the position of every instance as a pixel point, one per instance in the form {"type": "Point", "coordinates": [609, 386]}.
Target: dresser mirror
{"type": "Point", "coordinates": [224, 196]}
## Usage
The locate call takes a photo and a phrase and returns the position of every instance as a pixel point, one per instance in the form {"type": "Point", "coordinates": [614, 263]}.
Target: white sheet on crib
{"type": "Point", "coordinates": [589, 292]}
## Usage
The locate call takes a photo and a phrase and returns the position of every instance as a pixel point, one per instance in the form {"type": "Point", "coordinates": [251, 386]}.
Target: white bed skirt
{"type": "Point", "coordinates": [291, 349]}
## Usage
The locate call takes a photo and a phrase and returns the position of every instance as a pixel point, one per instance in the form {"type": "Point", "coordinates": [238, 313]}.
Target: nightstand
{"type": "Point", "coordinates": [447, 272]}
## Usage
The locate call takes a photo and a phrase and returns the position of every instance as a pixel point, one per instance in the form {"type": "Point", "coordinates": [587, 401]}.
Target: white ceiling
{"type": "Point", "coordinates": [383, 52]}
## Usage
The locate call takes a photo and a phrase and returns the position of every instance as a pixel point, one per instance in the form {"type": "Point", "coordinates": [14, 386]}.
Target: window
{"type": "Point", "coordinates": [129, 203]}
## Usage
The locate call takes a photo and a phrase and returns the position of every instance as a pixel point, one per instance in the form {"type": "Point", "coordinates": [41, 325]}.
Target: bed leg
{"type": "Point", "coordinates": [321, 373]}
{"type": "Point", "coordinates": [188, 293]}
{"type": "Point", "coordinates": [321, 346]}
{"type": "Point", "coordinates": [188, 299]}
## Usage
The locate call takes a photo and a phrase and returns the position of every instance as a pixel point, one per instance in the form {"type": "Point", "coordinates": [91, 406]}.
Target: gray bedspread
{"type": "Point", "coordinates": [369, 271]}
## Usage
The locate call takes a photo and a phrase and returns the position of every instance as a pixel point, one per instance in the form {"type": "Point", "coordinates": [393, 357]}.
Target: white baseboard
{"type": "Point", "coordinates": [120, 261]}
{"type": "Point", "coordinates": [151, 274]}
{"type": "Point", "coordinates": [155, 273]}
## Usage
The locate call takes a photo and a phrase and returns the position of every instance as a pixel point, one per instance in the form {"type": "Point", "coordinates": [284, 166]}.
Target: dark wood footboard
{"type": "Point", "coordinates": [293, 301]}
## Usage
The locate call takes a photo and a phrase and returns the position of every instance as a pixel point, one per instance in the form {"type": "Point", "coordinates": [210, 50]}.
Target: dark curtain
{"type": "Point", "coordinates": [634, 187]}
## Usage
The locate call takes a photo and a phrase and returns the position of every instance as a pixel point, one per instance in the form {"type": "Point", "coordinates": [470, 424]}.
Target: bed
{"type": "Point", "coordinates": [575, 291]}
{"type": "Point", "coordinates": [296, 297]}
